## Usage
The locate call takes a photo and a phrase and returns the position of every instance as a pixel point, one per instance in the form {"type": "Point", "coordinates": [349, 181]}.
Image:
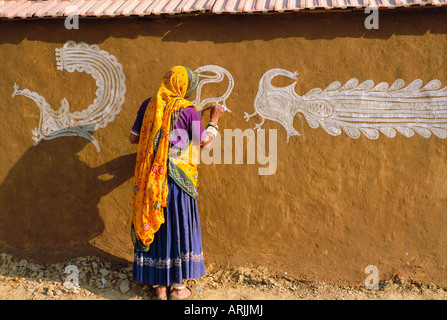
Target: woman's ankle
{"type": "Point", "coordinates": [161, 291]}
{"type": "Point", "coordinates": [181, 291]}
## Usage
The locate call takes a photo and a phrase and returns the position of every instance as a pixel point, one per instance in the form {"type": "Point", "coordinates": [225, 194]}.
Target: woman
{"type": "Point", "coordinates": [165, 222]}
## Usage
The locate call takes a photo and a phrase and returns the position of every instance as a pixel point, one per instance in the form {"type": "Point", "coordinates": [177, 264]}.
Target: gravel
{"type": "Point", "coordinates": [98, 280]}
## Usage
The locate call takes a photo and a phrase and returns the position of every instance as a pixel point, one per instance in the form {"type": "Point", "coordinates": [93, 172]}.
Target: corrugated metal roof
{"type": "Point", "coordinates": [111, 8]}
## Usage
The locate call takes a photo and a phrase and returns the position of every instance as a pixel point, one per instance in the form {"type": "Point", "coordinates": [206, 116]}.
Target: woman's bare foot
{"type": "Point", "coordinates": [182, 293]}
{"type": "Point", "coordinates": [161, 292]}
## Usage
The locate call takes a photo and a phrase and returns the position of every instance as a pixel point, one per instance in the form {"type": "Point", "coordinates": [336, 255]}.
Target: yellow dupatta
{"type": "Point", "coordinates": [150, 185]}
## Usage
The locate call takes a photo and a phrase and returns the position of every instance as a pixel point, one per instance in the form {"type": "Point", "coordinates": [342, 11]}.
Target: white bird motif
{"type": "Point", "coordinates": [356, 108]}
{"type": "Point", "coordinates": [218, 77]}
{"type": "Point", "coordinates": [110, 80]}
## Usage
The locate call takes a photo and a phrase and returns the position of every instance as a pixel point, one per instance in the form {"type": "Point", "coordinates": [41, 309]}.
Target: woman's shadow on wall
{"type": "Point", "coordinates": [48, 201]}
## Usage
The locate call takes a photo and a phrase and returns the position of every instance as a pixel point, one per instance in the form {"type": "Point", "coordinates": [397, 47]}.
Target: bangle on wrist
{"type": "Point", "coordinates": [211, 130]}
{"type": "Point", "coordinates": [212, 124]}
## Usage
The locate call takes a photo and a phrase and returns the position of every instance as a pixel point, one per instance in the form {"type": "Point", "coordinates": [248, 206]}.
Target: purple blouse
{"type": "Point", "coordinates": [189, 123]}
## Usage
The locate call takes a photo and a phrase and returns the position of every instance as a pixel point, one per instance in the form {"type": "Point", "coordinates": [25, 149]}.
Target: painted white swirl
{"type": "Point", "coordinates": [356, 108]}
{"type": "Point", "coordinates": [218, 76]}
{"type": "Point", "coordinates": [110, 80]}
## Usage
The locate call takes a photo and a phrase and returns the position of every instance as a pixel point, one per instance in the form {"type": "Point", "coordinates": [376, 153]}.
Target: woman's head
{"type": "Point", "coordinates": [180, 81]}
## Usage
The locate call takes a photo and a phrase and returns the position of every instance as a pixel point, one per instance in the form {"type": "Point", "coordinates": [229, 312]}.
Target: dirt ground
{"type": "Point", "coordinates": [98, 280]}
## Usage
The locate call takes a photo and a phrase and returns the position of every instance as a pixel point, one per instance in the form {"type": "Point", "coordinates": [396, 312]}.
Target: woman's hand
{"type": "Point", "coordinates": [134, 138]}
{"type": "Point", "coordinates": [216, 112]}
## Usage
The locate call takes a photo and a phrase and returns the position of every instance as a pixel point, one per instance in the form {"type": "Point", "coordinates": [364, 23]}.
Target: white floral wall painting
{"type": "Point", "coordinates": [205, 78]}
{"type": "Point", "coordinates": [356, 108]}
{"type": "Point", "coordinates": [110, 80]}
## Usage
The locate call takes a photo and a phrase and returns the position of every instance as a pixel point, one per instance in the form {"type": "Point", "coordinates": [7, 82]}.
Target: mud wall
{"type": "Point", "coordinates": [333, 206]}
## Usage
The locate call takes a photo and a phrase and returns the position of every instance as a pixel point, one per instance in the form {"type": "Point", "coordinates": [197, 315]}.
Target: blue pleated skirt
{"type": "Point", "coordinates": [176, 252]}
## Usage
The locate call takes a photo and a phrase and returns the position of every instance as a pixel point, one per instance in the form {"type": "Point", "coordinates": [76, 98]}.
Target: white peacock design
{"type": "Point", "coordinates": [219, 74]}
{"type": "Point", "coordinates": [356, 108]}
{"type": "Point", "coordinates": [110, 80]}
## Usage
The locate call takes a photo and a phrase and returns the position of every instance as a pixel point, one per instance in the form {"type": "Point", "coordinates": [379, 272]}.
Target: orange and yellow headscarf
{"type": "Point", "coordinates": [150, 186]}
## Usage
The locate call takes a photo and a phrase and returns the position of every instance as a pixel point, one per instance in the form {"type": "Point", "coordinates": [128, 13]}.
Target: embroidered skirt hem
{"type": "Point", "coordinates": [176, 252]}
